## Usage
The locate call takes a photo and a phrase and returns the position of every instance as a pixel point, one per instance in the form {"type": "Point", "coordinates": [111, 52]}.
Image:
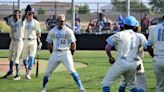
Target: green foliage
{"type": "Point", "coordinates": [41, 11]}
{"type": "Point", "coordinates": [134, 5]}
{"type": "Point", "coordinates": [4, 27]}
{"type": "Point", "coordinates": [84, 9]}
{"type": "Point", "coordinates": [69, 11]}
{"type": "Point", "coordinates": [157, 6]}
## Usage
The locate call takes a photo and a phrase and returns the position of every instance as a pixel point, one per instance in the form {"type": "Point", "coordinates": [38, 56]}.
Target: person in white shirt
{"type": "Point", "coordinates": [156, 50]}
{"type": "Point", "coordinates": [126, 44]}
{"type": "Point", "coordinates": [32, 33]}
{"type": "Point", "coordinates": [140, 73]}
{"type": "Point", "coordinates": [61, 43]}
{"type": "Point", "coordinates": [16, 44]}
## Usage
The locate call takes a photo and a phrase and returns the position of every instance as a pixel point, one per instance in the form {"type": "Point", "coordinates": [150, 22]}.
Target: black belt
{"type": "Point", "coordinates": [61, 50]}
{"type": "Point", "coordinates": [136, 59]}
{"type": "Point", "coordinates": [29, 38]}
{"type": "Point", "coordinates": [17, 39]}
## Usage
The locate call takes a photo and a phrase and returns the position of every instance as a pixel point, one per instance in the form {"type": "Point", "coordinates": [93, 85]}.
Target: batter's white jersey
{"type": "Point", "coordinates": [30, 37]}
{"type": "Point", "coordinates": [16, 35]}
{"type": "Point", "coordinates": [127, 43]}
{"type": "Point", "coordinates": [31, 28]}
{"type": "Point", "coordinates": [141, 81]}
{"type": "Point", "coordinates": [61, 39]}
{"type": "Point", "coordinates": [156, 38]}
{"type": "Point", "coordinates": [16, 29]}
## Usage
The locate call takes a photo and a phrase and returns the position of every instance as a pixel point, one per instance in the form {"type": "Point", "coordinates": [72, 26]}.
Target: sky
{"type": "Point", "coordinates": [92, 5]}
{"type": "Point", "coordinates": [69, 0]}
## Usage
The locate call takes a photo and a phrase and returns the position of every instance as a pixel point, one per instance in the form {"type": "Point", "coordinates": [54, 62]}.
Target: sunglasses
{"type": "Point", "coordinates": [61, 21]}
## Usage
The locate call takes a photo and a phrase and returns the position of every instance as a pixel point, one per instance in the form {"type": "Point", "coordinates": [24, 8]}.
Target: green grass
{"type": "Point", "coordinates": [91, 76]}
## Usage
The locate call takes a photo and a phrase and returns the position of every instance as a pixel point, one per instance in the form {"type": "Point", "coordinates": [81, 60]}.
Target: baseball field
{"type": "Point", "coordinates": [96, 65]}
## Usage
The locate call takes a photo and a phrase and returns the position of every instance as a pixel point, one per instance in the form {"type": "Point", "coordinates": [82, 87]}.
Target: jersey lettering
{"type": "Point", "coordinates": [161, 34]}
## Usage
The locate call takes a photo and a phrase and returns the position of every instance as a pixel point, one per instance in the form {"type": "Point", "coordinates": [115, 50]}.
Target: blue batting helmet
{"type": "Point", "coordinates": [130, 21]}
{"type": "Point", "coordinates": [137, 23]}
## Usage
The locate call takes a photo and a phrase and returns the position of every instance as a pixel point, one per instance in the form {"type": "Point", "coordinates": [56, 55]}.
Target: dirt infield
{"type": "Point", "coordinates": [42, 66]}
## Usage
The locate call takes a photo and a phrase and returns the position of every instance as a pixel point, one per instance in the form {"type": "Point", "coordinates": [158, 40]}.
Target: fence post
{"type": "Point", "coordinates": [97, 11]}
{"type": "Point", "coordinates": [13, 6]}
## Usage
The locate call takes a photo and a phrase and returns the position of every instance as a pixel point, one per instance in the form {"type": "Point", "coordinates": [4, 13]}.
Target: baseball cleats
{"type": "Point", "coordinates": [7, 75]}
{"type": "Point", "coordinates": [17, 77]}
{"type": "Point", "coordinates": [28, 73]}
{"type": "Point", "coordinates": [43, 90]}
{"type": "Point", "coordinates": [83, 90]}
{"type": "Point", "coordinates": [28, 77]}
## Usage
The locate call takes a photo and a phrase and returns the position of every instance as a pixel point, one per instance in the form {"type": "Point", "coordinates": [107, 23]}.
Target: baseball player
{"type": "Point", "coordinates": [61, 40]}
{"type": "Point", "coordinates": [16, 44]}
{"type": "Point", "coordinates": [126, 44]}
{"type": "Point", "coordinates": [156, 50]}
{"type": "Point", "coordinates": [32, 32]}
{"type": "Point", "coordinates": [140, 76]}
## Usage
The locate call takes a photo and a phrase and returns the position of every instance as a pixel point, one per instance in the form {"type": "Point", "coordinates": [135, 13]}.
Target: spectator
{"type": "Point", "coordinates": [77, 27]}
{"type": "Point", "coordinates": [51, 22]}
{"type": "Point", "coordinates": [100, 26]}
{"type": "Point", "coordinates": [77, 19]}
{"type": "Point", "coordinates": [90, 27]}
{"type": "Point", "coordinates": [120, 21]}
{"type": "Point", "coordinates": [77, 24]}
{"type": "Point", "coordinates": [104, 19]}
{"type": "Point", "coordinates": [116, 27]}
{"type": "Point", "coordinates": [145, 23]}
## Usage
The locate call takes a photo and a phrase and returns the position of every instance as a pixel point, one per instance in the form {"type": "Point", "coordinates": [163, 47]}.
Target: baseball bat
{"type": "Point", "coordinates": [37, 66]}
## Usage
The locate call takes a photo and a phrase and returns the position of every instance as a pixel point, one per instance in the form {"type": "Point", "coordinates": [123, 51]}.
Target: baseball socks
{"type": "Point", "coordinates": [76, 77]}
{"type": "Point", "coordinates": [17, 76]}
{"type": "Point", "coordinates": [121, 89]}
{"type": "Point", "coordinates": [10, 72]}
{"type": "Point", "coordinates": [106, 89]}
{"type": "Point", "coordinates": [25, 62]}
{"type": "Point", "coordinates": [45, 80]}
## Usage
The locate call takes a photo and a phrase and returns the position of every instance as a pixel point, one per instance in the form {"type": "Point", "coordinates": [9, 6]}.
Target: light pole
{"type": "Point", "coordinates": [73, 15]}
{"type": "Point", "coordinates": [19, 4]}
{"type": "Point", "coordinates": [128, 7]}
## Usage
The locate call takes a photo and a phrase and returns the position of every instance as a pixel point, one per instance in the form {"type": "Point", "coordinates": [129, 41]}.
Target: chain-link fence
{"type": "Point", "coordinates": [86, 11]}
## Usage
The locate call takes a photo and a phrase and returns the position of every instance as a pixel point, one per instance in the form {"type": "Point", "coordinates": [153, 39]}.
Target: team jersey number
{"type": "Point", "coordinates": [161, 34]}
{"type": "Point", "coordinates": [63, 41]}
{"type": "Point", "coordinates": [132, 43]}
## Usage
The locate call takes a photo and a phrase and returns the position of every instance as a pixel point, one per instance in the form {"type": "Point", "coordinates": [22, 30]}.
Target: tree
{"type": "Point", "coordinates": [41, 11]}
{"type": "Point", "coordinates": [69, 11]}
{"type": "Point", "coordinates": [157, 6]}
{"type": "Point", "coordinates": [134, 5]}
{"type": "Point", "coordinates": [84, 9]}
